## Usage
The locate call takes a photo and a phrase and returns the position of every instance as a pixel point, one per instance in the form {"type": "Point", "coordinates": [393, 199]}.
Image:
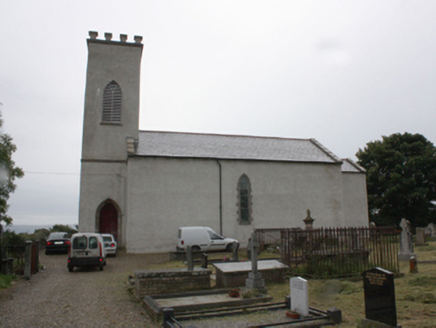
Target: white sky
{"type": "Point", "coordinates": [343, 72]}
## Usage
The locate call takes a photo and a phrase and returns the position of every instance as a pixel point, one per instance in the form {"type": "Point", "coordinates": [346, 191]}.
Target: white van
{"type": "Point", "coordinates": [86, 249]}
{"type": "Point", "coordinates": [202, 239]}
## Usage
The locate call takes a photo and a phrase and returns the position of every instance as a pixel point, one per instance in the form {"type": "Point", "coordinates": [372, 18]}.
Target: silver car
{"type": "Point", "coordinates": [110, 244]}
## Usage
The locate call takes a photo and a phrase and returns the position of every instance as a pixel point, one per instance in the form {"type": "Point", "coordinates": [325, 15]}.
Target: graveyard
{"type": "Point", "coordinates": [415, 294]}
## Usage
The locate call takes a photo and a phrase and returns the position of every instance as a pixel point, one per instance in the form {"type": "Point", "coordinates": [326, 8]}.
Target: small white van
{"type": "Point", "coordinates": [86, 249]}
{"type": "Point", "coordinates": [203, 239]}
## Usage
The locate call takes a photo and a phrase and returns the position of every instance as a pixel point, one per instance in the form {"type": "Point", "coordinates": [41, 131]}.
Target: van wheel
{"type": "Point", "coordinates": [71, 268]}
{"type": "Point", "coordinates": [195, 248]}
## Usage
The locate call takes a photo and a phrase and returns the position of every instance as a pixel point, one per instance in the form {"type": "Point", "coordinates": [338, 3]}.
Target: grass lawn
{"type": "Point", "coordinates": [415, 293]}
{"type": "Point", "coordinates": [5, 280]}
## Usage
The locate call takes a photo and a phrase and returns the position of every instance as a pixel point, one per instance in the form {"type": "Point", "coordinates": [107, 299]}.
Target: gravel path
{"type": "Point", "coordinates": [86, 297]}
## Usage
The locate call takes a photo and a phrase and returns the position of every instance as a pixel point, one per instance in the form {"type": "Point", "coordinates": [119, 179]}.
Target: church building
{"type": "Point", "coordinates": [142, 186]}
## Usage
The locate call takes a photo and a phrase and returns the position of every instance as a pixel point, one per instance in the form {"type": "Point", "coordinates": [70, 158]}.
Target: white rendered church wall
{"type": "Point", "coordinates": [99, 182]}
{"type": "Point", "coordinates": [105, 64]}
{"type": "Point", "coordinates": [165, 194]}
{"type": "Point", "coordinates": [281, 194]}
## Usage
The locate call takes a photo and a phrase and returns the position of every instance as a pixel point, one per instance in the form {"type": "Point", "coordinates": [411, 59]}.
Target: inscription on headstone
{"type": "Point", "coordinates": [299, 296]}
{"type": "Point", "coordinates": [379, 291]}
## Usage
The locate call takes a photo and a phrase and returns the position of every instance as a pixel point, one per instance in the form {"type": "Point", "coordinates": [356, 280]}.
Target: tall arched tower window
{"type": "Point", "coordinates": [112, 99]}
{"type": "Point", "coordinates": [244, 200]}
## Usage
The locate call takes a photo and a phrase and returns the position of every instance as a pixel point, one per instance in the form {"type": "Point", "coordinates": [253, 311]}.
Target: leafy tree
{"type": "Point", "coordinates": [401, 179]}
{"type": "Point", "coordinates": [8, 173]}
{"type": "Point", "coordinates": [63, 228]}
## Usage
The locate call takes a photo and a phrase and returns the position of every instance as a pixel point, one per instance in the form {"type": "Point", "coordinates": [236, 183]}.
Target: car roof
{"type": "Point", "coordinates": [86, 234]}
{"type": "Point", "coordinates": [57, 234]}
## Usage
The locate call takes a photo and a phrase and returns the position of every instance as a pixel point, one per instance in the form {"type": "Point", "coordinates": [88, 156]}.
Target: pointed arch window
{"type": "Point", "coordinates": [112, 99]}
{"type": "Point", "coordinates": [244, 200]}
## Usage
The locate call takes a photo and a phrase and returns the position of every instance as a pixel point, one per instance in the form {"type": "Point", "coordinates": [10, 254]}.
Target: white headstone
{"type": "Point", "coordinates": [299, 296]}
{"type": "Point", "coordinates": [406, 243]}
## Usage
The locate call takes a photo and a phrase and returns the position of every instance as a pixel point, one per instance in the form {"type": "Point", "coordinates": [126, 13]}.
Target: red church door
{"type": "Point", "coordinates": [109, 220]}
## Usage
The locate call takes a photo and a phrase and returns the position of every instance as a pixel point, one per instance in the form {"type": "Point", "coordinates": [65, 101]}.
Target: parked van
{"type": "Point", "coordinates": [203, 239]}
{"type": "Point", "coordinates": [86, 249]}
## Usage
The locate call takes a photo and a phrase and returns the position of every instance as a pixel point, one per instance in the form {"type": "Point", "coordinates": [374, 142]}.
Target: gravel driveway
{"type": "Point", "coordinates": [86, 297]}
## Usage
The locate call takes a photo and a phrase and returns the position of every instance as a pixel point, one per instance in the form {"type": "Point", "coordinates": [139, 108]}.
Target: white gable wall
{"type": "Point", "coordinates": [355, 199]}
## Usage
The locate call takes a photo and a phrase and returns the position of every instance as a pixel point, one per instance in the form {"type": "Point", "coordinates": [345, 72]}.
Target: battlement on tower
{"type": "Point", "coordinates": [108, 39]}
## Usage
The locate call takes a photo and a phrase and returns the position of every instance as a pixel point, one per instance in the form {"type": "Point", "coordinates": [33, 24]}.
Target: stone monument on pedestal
{"type": "Point", "coordinates": [406, 242]}
{"type": "Point", "coordinates": [254, 279]}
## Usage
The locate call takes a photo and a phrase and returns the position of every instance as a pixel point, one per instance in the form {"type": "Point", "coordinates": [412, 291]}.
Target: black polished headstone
{"type": "Point", "coordinates": [379, 291]}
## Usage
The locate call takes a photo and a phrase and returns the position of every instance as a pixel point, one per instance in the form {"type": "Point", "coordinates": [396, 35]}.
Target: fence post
{"type": "Point", "coordinates": [37, 255]}
{"type": "Point", "coordinates": [168, 314]}
{"type": "Point", "coordinates": [28, 259]}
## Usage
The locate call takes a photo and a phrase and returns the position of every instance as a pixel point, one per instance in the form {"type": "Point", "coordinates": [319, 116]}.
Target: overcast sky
{"type": "Point", "coordinates": [343, 72]}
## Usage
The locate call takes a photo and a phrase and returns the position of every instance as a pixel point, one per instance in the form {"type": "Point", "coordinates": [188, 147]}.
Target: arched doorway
{"type": "Point", "coordinates": [109, 220]}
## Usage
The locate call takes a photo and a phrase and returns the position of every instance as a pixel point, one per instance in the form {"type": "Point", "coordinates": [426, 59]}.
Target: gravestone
{"type": "Point", "coordinates": [235, 248]}
{"type": "Point", "coordinates": [204, 261]}
{"type": "Point", "coordinates": [430, 230]}
{"type": "Point", "coordinates": [299, 296]}
{"type": "Point", "coordinates": [420, 237]}
{"type": "Point", "coordinates": [254, 279]}
{"type": "Point", "coordinates": [406, 242]}
{"type": "Point", "coordinates": [379, 292]}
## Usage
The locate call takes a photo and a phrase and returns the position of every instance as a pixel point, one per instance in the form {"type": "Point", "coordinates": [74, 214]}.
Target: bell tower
{"type": "Point", "coordinates": [110, 126]}
{"type": "Point", "coordinates": [111, 96]}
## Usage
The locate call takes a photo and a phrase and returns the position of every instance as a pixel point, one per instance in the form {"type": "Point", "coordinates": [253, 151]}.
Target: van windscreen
{"type": "Point", "coordinates": [80, 242]}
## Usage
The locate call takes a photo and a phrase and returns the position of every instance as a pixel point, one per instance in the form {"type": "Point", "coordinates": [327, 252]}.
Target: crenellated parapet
{"type": "Point", "coordinates": [108, 38]}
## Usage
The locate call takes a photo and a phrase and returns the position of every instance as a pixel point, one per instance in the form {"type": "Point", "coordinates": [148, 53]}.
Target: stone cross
{"type": "Point", "coordinates": [254, 247]}
{"type": "Point", "coordinates": [299, 296]}
{"type": "Point", "coordinates": [406, 243]}
{"type": "Point", "coordinates": [254, 279]}
{"type": "Point", "coordinates": [235, 248]}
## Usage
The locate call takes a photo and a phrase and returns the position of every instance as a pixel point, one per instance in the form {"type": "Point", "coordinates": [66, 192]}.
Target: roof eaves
{"type": "Point", "coordinates": [232, 159]}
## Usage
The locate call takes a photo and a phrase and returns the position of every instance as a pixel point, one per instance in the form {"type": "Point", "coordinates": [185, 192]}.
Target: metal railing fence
{"type": "Point", "coordinates": [334, 252]}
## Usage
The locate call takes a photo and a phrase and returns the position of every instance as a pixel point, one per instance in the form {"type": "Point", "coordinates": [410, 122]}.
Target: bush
{"type": "Point", "coordinates": [5, 280]}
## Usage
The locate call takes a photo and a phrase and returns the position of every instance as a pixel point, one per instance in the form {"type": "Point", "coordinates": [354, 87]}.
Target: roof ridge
{"type": "Point", "coordinates": [224, 135]}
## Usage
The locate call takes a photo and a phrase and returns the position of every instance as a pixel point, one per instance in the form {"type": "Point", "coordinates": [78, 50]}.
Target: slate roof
{"type": "Point", "coordinates": [216, 146]}
{"type": "Point", "coordinates": [350, 166]}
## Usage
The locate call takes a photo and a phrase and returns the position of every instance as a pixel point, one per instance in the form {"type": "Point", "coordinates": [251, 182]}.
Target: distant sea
{"type": "Point", "coordinates": [28, 228]}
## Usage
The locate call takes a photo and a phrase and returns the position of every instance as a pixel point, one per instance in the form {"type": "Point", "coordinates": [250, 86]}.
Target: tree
{"type": "Point", "coordinates": [63, 228]}
{"type": "Point", "coordinates": [401, 179]}
{"type": "Point", "coordinates": [8, 173]}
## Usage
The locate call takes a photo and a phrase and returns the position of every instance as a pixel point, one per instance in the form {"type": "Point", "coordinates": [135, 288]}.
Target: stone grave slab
{"type": "Point", "coordinates": [195, 301]}
{"type": "Point", "coordinates": [379, 290]}
{"type": "Point", "coordinates": [235, 274]}
{"type": "Point", "coordinates": [299, 296]}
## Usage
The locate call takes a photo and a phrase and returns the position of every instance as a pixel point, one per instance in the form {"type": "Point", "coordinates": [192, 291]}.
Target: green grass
{"type": "Point", "coordinates": [5, 280]}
